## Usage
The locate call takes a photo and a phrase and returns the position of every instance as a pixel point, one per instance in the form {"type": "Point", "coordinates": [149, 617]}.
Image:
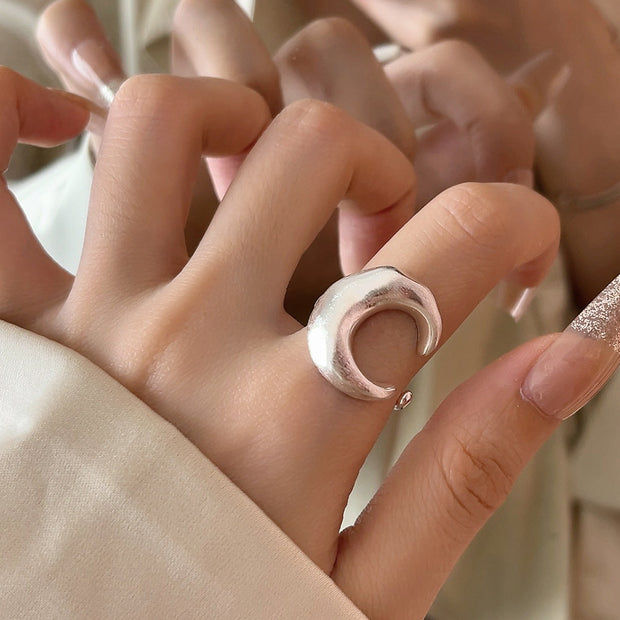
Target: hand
{"type": "Point", "coordinates": [494, 28]}
{"type": "Point", "coordinates": [578, 135]}
{"type": "Point", "coordinates": [481, 127]}
{"type": "Point", "coordinates": [331, 61]}
{"type": "Point", "coordinates": [205, 341]}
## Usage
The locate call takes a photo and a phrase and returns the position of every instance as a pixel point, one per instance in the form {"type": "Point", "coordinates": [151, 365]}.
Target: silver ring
{"type": "Point", "coordinates": [346, 305]}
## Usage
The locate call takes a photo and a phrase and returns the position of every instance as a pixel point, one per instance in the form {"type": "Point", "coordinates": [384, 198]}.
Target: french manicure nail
{"type": "Point", "coordinates": [515, 299]}
{"type": "Point", "coordinates": [92, 62]}
{"type": "Point", "coordinates": [558, 83]}
{"type": "Point", "coordinates": [521, 176]}
{"type": "Point", "coordinates": [98, 115]}
{"type": "Point", "coordinates": [541, 80]}
{"type": "Point", "coordinates": [575, 367]}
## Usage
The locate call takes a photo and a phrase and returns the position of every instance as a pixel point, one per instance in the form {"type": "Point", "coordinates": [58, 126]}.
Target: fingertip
{"type": "Point", "coordinates": [32, 114]}
{"type": "Point", "coordinates": [539, 82]}
{"type": "Point", "coordinates": [215, 38]}
{"type": "Point", "coordinates": [69, 115]}
{"type": "Point", "coordinates": [74, 44]}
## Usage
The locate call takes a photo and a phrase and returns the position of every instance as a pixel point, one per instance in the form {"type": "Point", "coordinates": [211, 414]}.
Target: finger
{"type": "Point", "coordinates": [419, 24]}
{"type": "Point", "coordinates": [330, 60]}
{"type": "Point", "coordinates": [460, 246]}
{"type": "Point", "coordinates": [75, 46]}
{"type": "Point", "coordinates": [311, 157]}
{"type": "Point", "coordinates": [29, 279]}
{"type": "Point", "coordinates": [215, 38]}
{"type": "Point", "coordinates": [480, 130]}
{"type": "Point", "coordinates": [448, 481]}
{"type": "Point", "coordinates": [315, 9]}
{"type": "Point", "coordinates": [147, 167]}
{"type": "Point", "coordinates": [460, 469]}
{"type": "Point", "coordinates": [410, 24]}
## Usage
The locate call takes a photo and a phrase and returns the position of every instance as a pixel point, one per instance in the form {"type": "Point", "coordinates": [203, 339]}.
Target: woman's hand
{"type": "Point", "coordinates": [476, 126]}
{"type": "Point", "coordinates": [205, 340]}
{"type": "Point", "coordinates": [578, 135]}
{"type": "Point", "coordinates": [331, 61]}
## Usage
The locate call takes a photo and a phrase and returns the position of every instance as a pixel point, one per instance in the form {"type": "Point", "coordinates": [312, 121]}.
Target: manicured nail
{"type": "Point", "coordinates": [93, 63]}
{"type": "Point", "coordinates": [515, 299]}
{"type": "Point", "coordinates": [521, 176]}
{"type": "Point", "coordinates": [541, 80]}
{"type": "Point", "coordinates": [577, 365]}
{"type": "Point", "coordinates": [558, 83]}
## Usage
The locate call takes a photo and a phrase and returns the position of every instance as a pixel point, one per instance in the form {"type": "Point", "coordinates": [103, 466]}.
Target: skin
{"type": "Point", "coordinates": [578, 136]}
{"type": "Point", "coordinates": [147, 313]}
{"type": "Point", "coordinates": [482, 125]}
{"type": "Point", "coordinates": [576, 133]}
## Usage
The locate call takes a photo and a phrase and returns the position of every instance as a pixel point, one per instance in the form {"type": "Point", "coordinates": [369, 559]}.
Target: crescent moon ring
{"type": "Point", "coordinates": [346, 305]}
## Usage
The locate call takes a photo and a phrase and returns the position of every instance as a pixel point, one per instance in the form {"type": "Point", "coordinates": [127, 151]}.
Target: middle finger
{"type": "Point", "coordinates": [215, 38]}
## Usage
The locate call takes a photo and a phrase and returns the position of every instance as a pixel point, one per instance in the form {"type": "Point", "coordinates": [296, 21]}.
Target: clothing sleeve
{"type": "Point", "coordinates": [107, 511]}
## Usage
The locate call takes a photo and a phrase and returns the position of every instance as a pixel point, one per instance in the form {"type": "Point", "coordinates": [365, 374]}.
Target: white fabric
{"type": "Point", "coordinates": [55, 201]}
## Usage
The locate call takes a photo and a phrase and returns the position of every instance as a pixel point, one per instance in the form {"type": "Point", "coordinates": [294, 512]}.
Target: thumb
{"type": "Point", "coordinates": [461, 467]}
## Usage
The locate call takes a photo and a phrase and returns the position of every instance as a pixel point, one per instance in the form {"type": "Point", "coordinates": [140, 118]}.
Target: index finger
{"type": "Point", "coordinates": [460, 469]}
{"type": "Point", "coordinates": [29, 113]}
{"type": "Point", "coordinates": [158, 129]}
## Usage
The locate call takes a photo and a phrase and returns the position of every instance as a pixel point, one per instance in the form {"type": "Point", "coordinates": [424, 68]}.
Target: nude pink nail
{"type": "Point", "coordinates": [91, 61]}
{"type": "Point", "coordinates": [577, 365]}
{"type": "Point", "coordinates": [515, 299]}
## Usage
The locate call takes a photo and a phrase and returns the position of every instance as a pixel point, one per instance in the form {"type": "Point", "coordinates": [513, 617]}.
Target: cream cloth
{"type": "Point", "coordinates": [107, 511]}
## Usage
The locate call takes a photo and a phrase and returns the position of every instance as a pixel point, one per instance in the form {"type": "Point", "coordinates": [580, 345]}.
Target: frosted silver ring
{"type": "Point", "coordinates": [346, 305]}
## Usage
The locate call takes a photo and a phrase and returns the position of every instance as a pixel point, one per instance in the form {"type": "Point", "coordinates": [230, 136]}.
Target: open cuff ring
{"type": "Point", "coordinates": [346, 305]}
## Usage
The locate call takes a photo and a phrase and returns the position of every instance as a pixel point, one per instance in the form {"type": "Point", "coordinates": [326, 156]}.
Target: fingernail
{"type": "Point", "coordinates": [515, 299]}
{"type": "Point", "coordinates": [577, 365]}
{"type": "Point", "coordinates": [540, 80]}
{"type": "Point", "coordinates": [92, 62]}
{"type": "Point", "coordinates": [521, 176]}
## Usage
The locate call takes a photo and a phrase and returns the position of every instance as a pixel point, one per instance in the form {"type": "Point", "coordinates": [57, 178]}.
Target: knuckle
{"type": "Point", "coordinates": [473, 212]}
{"type": "Point", "coordinates": [478, 476]}
{"type": "Point", "coordinates": [148, 95]}
{"type": "Point", "coordinates": [321, 48]}
{"type": "Point", "coordinates": [319, 118]}
{"type": "Point", "coordinates": [323, 35]}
